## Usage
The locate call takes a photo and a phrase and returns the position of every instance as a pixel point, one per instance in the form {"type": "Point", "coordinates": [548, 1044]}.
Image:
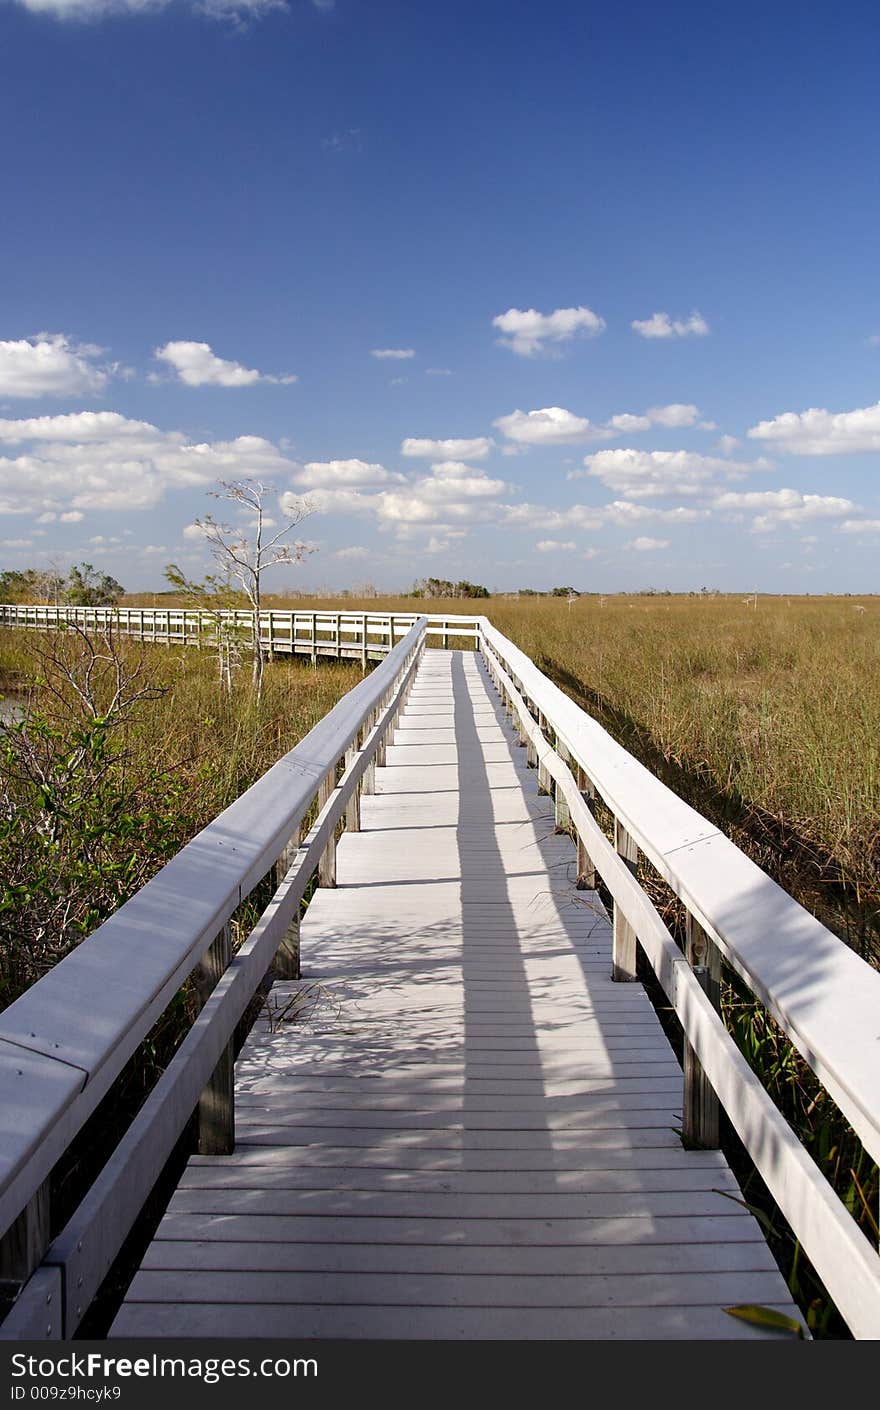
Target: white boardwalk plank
{"type": "Point", "coordinates": [396, 1321]}
{"type": "Point", "coordinates": [470, 1130]}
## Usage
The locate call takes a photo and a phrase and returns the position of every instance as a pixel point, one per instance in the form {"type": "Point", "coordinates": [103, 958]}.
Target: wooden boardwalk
{"type": "Point", "coordinates": [469, 1130]}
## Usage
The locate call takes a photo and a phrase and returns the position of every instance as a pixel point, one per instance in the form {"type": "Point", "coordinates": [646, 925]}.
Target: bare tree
{"type": "Point", "coordinates": [244, 553]}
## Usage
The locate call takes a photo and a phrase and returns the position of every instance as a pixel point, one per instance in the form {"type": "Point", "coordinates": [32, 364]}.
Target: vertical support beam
{"type": "Point", "coordinates": [327, 864]}
{"type": "Point", "coordinates": [23, 1245]}
{"type": "Point", "coordinates": [314, 639]}
{"type": "Point", "coordinates": [364, 644]}
{"type": "Point", "coordinates": [217, 1102]}
{"type": "Point", "coordinates": [286, 964]}
{"type": "Point", "coordinates": [368, 786]}
{"type": "Point", "coordinates": [271, 643]}
{"type": "Point", "coordinates": [353, 806]}
{"type": "Point", "coordinates": [382, 749]}
{"type": "Point", "coordinates": [544, 782]}
{"type": "Point", "coordinates": [563, 816]}
{"type": "Point", "coordinates": [445, 635]}
{"type": "Point", "coordinates": [586, 872]}
{"type": "Point", "coordinates": [338, 637]}
{"type": "Point", "coordinates": [623, 951]}
{"type": "Point", "coordinates": [700, 1125]}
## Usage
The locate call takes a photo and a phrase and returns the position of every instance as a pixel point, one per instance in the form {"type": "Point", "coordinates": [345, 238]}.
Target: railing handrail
{"type": "Point", "coordinates": [67, 1038]}
{"type": "Point", "coordinates": [820, 992]}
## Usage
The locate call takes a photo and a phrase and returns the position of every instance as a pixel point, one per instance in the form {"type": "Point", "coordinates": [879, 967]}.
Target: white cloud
{"type": "Point", "coordinates": [646, 545]}
{"type": "Point", "coordinates": [394, 354]}
{"type": "Point", "coordinates": [451, 494]}
{"type": "Point", "coordinates": [324, 474]}
{"type": "Point", "coordinates": [555, 546]}
{"type": "Point", "coordinates": [475, 449]}
{"type": "Point", "coordinates": [550, 426]}
{"type": "Point", "coordinates": [527, 331]}
{"type": "Point", "coordinates": [50, 365]}
{"type": "Point", "coordinates": [642, 474]}
{"type": "Point", "coordinates": [727, 444]}
{"type": "Point", "coordinates": [194, 532]}
{"type": "Point", "coordinates": [237, 11]}
{"type": "Point", "coordinates": [71, 516]}
{"type": "Point", "coordinates": [197, 365]}
{"type": "Point", "coordinates": [660, 325]}
{"type": "Point", "coordinates": [785, 506]}
{"type": "Point", "coordinates": [591, 517]}
{"type": "Point", "coordinates": [451, 469]}
{"type": "Point", "coordinates": [16, 543]}
{"type": "Point", "coordinates": [438, 372]}
{"type": "Point", "coordinates": [101, 460]}
{"type": "Point", "coordinates": [820, 432]}
{"type": "Point", "coordinates": [622, 511]}
{"type": "Point", "coordinates": [675, 414]}
{"type": "Point", "coordinates": [860, 526]}
{"type": "Point", "coordinates": [627, 421]}
{"type": "Point", "coordinates": [354, 551]}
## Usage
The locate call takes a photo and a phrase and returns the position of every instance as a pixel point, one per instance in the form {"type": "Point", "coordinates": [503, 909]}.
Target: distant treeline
{"type": "Point", "coordinates": [82, 586]}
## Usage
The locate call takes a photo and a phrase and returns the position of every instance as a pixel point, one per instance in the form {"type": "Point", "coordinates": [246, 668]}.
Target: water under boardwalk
{"type": "Point", "coordinates": [472, 1131]}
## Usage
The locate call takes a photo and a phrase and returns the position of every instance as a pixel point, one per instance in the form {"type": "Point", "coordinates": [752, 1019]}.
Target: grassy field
{"type": "Point", "coordinates": [77, 838]}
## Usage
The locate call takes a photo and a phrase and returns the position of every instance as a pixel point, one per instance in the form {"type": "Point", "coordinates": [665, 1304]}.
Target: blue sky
{"type": "Point", "coordinates": [625, 258]}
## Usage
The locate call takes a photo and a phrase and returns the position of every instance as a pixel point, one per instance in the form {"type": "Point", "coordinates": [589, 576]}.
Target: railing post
{"type": "Point", "coordinates": [314, 638]}
{"type": "Point", "coordinates": [364, 644]}
{"type": "Point", "coordinates": [353, 806]}
{"type": "Point", "coordinates": [286, 964]}
{"type": "Point", "coordinates": [217, 1102]}
{"type": "Point", "coordinates": [544, 782]}
{"type": "Point", "coordinates": [586, 872]}
{"type": "Point", "coordinates": [563, 816]}
{"type": "Point", "coordinates": [623, 950]}
{"type": "Point", "coordinates": [327, 864]}
{"type": "Point", "coordinates": [700, 1121]}
{"type": "Point", "coordinates": [382, 751]}
{"type": "Point", "coordinates": [25, 1241]}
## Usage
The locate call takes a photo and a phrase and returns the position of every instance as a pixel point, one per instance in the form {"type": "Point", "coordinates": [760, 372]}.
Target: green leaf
{"type": "Point", "coordinates": [765, 1317]}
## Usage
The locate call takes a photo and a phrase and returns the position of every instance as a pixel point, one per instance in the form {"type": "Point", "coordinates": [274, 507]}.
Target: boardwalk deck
{"type": "Point", "coordinates": [469, 1131]}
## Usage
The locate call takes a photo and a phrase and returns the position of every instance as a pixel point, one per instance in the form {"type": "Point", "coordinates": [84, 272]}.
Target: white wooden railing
{"type": "Point", "coordinates": [359, 636]}
{"type": "Point", "coordinates": [65, 1041]}
{"type": "Point", "coordinates": [823, 996]}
